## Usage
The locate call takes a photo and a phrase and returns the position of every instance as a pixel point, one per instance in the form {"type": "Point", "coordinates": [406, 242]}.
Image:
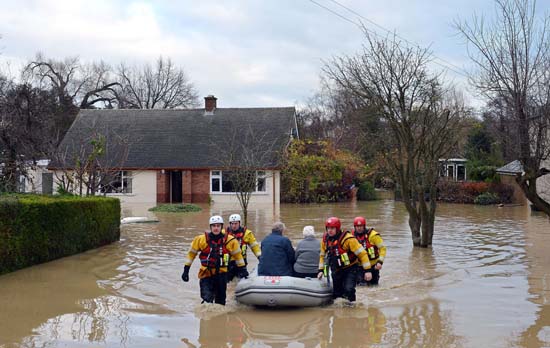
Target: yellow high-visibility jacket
{"type": "Point", "coordinates": [200, 244]}
{"type": "Point", "coordinates": [349, 244]}
{"type": "Point", "coordinates": [376, 240]}
{"type": "Point", "coordinates": [248, 240]}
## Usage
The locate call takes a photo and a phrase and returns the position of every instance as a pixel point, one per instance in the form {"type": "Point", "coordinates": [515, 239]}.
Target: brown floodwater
{"type": "Point", "coordinates": [484, 283]}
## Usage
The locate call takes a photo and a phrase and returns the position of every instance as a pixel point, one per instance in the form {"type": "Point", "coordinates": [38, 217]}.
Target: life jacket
{"type": "Point", "coordinates": [337, 257]}
{"type": "Point", "coordinates": [363, 238]}
{"type": "Point", "coordinates": [239, 236]}
{"type": "Point", "coordinates": [215, 255]}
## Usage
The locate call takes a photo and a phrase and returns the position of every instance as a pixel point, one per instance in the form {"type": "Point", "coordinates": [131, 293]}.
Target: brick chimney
{"type": "Point", "coordinates": [209, 104]}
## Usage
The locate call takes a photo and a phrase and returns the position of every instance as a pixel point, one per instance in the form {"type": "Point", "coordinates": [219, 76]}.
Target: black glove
{"type": "Point", "coordinates": [243, 273]}
{"type": "Point", "coordinates": [185, 274]}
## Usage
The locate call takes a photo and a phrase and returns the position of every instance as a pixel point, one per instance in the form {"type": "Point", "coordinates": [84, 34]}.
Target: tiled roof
{"type": "Point", "coordinates": [180, 138]}
{"type": "Point", "coordinates": [513, 167]}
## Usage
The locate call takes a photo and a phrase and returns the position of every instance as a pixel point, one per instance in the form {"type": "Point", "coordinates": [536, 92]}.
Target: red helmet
{"type": "Point", "coordinates": [333, 222]}
{"type": "Point", "coordinates": [359, 221]}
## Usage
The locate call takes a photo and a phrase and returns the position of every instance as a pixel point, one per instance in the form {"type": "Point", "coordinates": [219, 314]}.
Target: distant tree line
{"type": "Point", "coordinates": [38, 106]}
{"type": "Point", "coordinates": [388, 107]}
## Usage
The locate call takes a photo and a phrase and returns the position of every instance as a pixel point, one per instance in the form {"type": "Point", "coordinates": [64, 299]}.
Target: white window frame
{"type": "Point", "coordinates": [218, 174]}
{"type": "Point", "coordinates": [129, 175]}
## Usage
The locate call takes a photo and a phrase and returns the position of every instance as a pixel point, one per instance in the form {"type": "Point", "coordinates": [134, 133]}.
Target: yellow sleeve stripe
{"type": "Point", "coordinates": [366, 265]}
{"type": "Point", "coordinates": [235, 252]}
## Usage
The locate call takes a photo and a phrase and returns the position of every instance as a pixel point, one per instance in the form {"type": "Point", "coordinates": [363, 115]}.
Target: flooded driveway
{"type": "Point", "coordinates": [485, 283]}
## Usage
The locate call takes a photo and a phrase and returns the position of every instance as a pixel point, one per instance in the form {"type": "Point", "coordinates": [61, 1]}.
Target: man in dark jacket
{"type": "Point", "coordinates": [277, 253]}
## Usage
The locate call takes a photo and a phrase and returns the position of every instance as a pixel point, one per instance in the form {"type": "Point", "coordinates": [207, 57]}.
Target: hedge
{"type": "Point", "coordinates": [466, 192]}
{"type": "Point", "coordinates": [36, 229]}
{"type": "Point", "coordinates": [366, 192]}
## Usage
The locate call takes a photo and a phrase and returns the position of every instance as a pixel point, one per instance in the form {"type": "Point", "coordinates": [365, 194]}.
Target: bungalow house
{"type": "Point", "coordinates": [173, 156]}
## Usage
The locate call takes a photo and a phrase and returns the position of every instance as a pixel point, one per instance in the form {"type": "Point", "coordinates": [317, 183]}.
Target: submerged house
{"type": "Point", "coordinates": [186, 155]}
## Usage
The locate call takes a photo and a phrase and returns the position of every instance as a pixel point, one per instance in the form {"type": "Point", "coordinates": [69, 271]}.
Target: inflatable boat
{"type": "Point", "coordinates": [136, 219]}
{"type": "Point", "coordinates": [283, 291]}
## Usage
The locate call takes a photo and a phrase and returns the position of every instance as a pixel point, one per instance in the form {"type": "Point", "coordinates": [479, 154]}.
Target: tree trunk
{"type": "Point", "coordinates": [528, 184]}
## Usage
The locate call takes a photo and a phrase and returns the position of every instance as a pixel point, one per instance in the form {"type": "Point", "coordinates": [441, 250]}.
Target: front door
{"type": "Point", "coordinates": [175, 184]}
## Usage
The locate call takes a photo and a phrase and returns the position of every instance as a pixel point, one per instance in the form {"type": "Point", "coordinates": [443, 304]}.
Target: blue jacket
{"type": "Point", "coordinates": [277, 256]}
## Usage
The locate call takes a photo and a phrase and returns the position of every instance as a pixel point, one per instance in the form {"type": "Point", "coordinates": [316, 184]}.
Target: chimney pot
{"type": "Point", "coordinates": [210, 104]}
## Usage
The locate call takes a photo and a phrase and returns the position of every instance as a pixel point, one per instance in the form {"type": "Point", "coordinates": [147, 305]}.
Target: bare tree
{"type": "Point", "coordinates": [164, 86]}
{"type": "Point", "coordinates": [75, 85]}
{"type": "Point", "coordinates": [512, 57]}
{"type": "Point", "coordinates": [242, 155]}
{"type": "Point", "coordinates": [419, 115]}
{"type": "Point", "coordinates": [89, 162]}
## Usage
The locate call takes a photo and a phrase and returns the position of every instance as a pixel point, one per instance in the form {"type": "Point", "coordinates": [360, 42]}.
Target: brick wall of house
{"type": "Point", "coordinates": [187, 186]}
{"type": "Point", "coordinates": [519, 196]}
{"type": "Point", "coordinates": [200, 181]}
{"type": "Point", "coordinates": [163, 187]}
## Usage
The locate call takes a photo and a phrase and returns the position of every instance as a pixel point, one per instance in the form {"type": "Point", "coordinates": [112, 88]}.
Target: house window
{"type": "Point", "coordinates": [215, 181]}
{"type": "Point", "coordinates": [260, 175]}
{"type": "Point", "coordinates": [21, 184]}
{"type": "Point", "coordinates": [121, 182]}
{"type": "Point", "coordinates": [450, 171]}
{"type": "Point", "coordinates": [221, 181]}
{"type": "Point", "coordinates": [460, 173]}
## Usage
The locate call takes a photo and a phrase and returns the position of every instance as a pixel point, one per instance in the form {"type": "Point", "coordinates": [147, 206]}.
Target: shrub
{"type": "Point", "coordinates": [175, 208]}
{"type": "Point", "coordinates": [487, 198]}
{"type": "Point", "coordinates": [36, 229]}
{"type": "Point", "coordinates": [366, 192]}
{"type": "Point", "coordinates": [504, 192]}
{"type": "Point", "coordinates": [315, 172]}
{"type": "Point", "coordinates": [484, 173]}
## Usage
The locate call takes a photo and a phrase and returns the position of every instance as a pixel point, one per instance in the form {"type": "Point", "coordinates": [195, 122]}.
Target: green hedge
{"type": "Point", "coordinates": [366, 192]}
{"type": "Point", "coordinates": [36, 229]}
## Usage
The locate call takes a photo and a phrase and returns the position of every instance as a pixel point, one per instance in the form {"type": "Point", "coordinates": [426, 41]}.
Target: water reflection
{"type": "Point", "coordinates": [537, 242]}
{"type": "Point", "coordinates": [484, 283]}
{"type": "Point", "coordinates": [342, 327]}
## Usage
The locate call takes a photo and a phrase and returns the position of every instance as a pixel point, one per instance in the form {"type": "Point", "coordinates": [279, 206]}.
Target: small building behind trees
{"type": "Point", "coordinates": [453, 169]}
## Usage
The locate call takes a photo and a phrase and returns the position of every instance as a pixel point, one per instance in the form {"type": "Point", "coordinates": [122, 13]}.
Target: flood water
{"type": "Point", "coordinates": [485, 283]}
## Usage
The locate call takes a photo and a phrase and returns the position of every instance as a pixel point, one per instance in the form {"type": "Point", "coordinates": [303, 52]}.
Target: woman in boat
{"type": "Point", "coordinates": [307, 254]}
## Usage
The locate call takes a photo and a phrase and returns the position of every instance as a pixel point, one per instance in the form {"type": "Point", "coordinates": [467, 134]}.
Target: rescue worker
{"type": "Point", "coordinates": [340, 251]}
{"type": "Point", "coordinates": [246, 239]}
{"type": "Point", "coordinates": [215, 251]}
{"type": "Point", "coordinates": [374, 245]}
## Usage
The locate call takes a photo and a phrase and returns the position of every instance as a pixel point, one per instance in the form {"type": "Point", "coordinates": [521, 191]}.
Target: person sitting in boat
{"type": "Point", "coordinates": [277, 253]}
{"type": "Point", "coordinates": [307, 254]}
{"type": "Point", "coordinates": [216, 249]}
{"type": "Point", "coordinates": [246, 238]}
{"type": "Point", "coordinates": [341, 250]}
{"type": "Point", "coordinates": [374, 245]}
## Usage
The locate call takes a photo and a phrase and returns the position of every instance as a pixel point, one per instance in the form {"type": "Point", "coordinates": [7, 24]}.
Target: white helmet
{"type": "Point", "coordinates": [235, 218]}
{"type": "Point", "coordinates": [216, 219]}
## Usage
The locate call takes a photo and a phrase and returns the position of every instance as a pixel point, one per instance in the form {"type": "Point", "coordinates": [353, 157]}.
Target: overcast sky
{"type": "Point", "coordinates": [246, 53]}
